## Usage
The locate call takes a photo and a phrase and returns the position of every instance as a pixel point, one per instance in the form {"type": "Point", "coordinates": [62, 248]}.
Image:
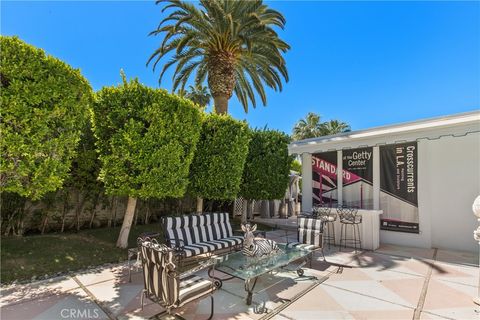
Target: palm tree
{"type": "Point", "coordinates": [334, 127]}
{"type": "Point", "coordinates": [310, 127]}
{"type": "Point", "coordinates": [230, 44]}
{"type": "Point", "coordinates": [199, 94]}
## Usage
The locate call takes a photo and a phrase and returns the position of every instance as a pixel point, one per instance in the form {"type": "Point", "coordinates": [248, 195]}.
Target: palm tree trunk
{"type": "Point", "coordinates": [221, 104]}
{"type": "Point", "coordinates": [122, 241]}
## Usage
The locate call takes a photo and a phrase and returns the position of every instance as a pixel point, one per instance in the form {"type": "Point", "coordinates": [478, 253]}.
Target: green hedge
{"type": "Point", "coordinates": [146, 140]}
{"type": "Point", "coordinates": [44, 109]}
{"type": "Point", "coordinates": [266, 173]}
{"type": "Point", "coordinates": [216, 171]}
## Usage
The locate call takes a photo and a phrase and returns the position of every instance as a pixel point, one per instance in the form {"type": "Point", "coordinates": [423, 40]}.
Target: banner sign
{"type": "Point", "coordinates": [398, 187]}
{"type": "Point", "coordinates": [358, 177]}
{"type": "Point", "coordinates": [358, 164]}
{"type": "Point", "coordinates": [324, 176]}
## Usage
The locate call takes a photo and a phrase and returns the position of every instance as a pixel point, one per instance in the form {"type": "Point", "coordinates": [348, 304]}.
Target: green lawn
{"type": "Point", "coordinates": [25, 257]}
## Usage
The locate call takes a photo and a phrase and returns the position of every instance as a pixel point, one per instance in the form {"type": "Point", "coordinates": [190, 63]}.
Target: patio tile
{"type": "Point", "coordinates": [315, 300]}
{"type": "Point", "coordinates": [395, 250]}
{"type": "Point", "coordinates": [149, 310]}
{"type": "Point", "coordinates": [95, 276]}
{"type": "Point", "coordinates": [381, 315]}
{"type": "Point", "coordinates": [314, 315]}
{"type": "Point", "coordinates": [25, 292]}
{"type": "Point", "coordinates": [428, 316]}
{"type": "Point", "coordinates": [74, 304]}
{"type": "Point", "coordinates": [466, 313]}
{"type": "Point", "coordinates": [458, 277]}
{"type": "Point", "coordinates": [374, 262]}
{"type": "Point", "coordinates": [357, 302]}
{"type": "Point", "coordinates": [325, 302]}
{"type": "Point", "coordinates": [458, 257]}
{"type": "Point", "coordinates": [372, 289]}
{"type": "Point", "coordinates": [449, 299]}
{"type": "Point", "coordinates": [118, 297]}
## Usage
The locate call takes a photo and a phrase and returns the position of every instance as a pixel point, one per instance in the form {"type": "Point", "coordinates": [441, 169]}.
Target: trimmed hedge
{"type": "Point", "coordinates": [216, 171]}
{"type": "Point", "coordinates": [146, 140]}
{"type": "Point", "coordinates": [45, 106]}
{"type": "Point", "coordinates": [267, 168]}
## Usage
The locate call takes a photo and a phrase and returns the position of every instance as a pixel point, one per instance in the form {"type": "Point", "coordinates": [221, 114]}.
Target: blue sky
{"type": "Point", "coordinates": [366, 63]}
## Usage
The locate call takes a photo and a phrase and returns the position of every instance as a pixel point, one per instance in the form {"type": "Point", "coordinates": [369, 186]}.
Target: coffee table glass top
{"type": "Point", "coordinates": [243, 267]}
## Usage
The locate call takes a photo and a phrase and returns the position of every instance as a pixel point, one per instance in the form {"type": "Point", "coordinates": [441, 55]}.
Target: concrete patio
{"type": "Point", "coordinates": [391, 283]}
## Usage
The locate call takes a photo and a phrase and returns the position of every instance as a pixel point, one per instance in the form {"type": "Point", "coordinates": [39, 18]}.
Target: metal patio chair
{"type": "Point", "coordinates": [324, 212]}
{"type": "Point", "coordinates": [310, 234]}
{"type": "Point", "coordinates": [349, 218]}
{"type": "Point", "coordinates": [164, 285]}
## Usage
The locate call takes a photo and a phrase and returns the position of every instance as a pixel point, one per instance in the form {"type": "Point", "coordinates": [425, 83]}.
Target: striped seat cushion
{"type": "Point", "coordinates": [309, 236]}
{"type": "Point", "coordinates": [178, 228]}
{"type": "Point", "coordinates": [200, 233]}
{"type": "Point", "coordinates": [310, 231]}
{"type": "Point", "coordinates": [310, 223]}
{"type": "Point", "coordinates": [193, 287]}
{"type": "Point", "coordinates": [209, 246]}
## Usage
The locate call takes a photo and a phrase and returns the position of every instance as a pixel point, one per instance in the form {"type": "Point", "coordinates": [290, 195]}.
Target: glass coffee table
{"type": "Point", "coordinates": [236, 265]}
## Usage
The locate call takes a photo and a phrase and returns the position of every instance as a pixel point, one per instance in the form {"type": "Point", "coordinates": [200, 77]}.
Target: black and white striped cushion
{"type": "Point", "coordinates": [162, 284]}
{"type": "Point", "coordinates": [157, 262]}
{"type": "Point", "coordinates": [201, 233]}
{"type": "Point", "coordinates": [310, 231]}
{"type": "Point", "coordinates": [178, 228]}
{"type": "Point", "coordinates": [209, 246]}
{"type": "Point", "coordinates": [309, 236]}
{"type": "Point", "coordinates": [310, 223]}
{"type": "Point", "coordinates": [193, 287]}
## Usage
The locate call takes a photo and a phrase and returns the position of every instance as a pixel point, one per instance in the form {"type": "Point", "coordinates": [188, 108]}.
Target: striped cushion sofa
{"type": "Point", "coordinates": [196, 234]}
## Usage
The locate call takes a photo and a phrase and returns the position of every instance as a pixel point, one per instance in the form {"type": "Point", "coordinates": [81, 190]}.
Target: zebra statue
{"type": "Point", "coordinates": [256, 247]}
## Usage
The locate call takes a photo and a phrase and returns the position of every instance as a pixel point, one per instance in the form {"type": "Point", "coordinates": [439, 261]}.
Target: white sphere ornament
{"type": "Point", "coordinates": [476, 207]}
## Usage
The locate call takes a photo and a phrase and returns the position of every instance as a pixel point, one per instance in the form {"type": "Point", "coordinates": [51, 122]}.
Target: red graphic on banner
{"type": "Point", "coordinates": [328, 169]}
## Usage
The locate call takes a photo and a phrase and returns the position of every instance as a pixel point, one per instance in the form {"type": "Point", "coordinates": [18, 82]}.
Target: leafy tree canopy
{"type": "Point", "coordinates": [216, 171]}
{"type": "Point", "coordinates": [45, 106]}
{"type": "Point", "coordinates": [267, 169]}
{"type": "Point", "coordinates": [296, 166]}
{"type": "Point", "coordinates": [146, 139]}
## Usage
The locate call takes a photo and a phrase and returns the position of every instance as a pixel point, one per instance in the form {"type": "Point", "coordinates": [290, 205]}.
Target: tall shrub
{"type": "Point", "coordinates": [267, 168]}
{"type": "Point", "coordinates": [44, 109]}
{"type": "Point", "coordinates": [146, 141]}
{"type": "Point", "coordinates": [83, 179]}
{"type": "Point", "coordinates": [216, 171]}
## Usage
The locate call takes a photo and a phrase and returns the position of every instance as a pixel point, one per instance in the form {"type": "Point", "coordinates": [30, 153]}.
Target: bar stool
{"type": "Point", "coordinates": [348, 217]}
{"type": "Point", "coordinates": [324, 212]}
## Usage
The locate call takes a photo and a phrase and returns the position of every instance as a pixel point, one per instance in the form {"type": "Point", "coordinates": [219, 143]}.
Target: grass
{"type": "Point", "coordinates": [25, 257]}
{"type": "Point", "coordinates": [39, 255]}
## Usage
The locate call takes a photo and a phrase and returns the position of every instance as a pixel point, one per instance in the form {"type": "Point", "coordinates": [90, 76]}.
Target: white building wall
{"type": "Point", "coordinates": [454, 182]}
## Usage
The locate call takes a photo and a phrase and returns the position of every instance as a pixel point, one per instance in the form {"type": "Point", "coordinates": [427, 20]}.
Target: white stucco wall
{"type": "Point", "coordinates": [454, 182]}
